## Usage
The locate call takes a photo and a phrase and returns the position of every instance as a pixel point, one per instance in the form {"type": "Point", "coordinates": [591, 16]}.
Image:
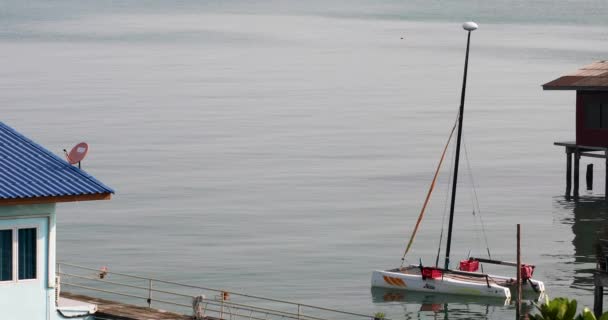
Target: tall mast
{"type": "Point", "coordinates": [468, 26]}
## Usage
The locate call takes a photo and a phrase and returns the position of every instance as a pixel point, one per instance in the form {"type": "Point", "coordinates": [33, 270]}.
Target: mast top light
{"type": "Point", "coordinates": [470, 26]}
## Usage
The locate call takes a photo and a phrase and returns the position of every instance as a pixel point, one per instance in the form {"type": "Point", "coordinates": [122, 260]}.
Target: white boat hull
{"type": "Point", "coordinates": [450, 284]}
{"type": "Point", "coordinates": [530, 287]}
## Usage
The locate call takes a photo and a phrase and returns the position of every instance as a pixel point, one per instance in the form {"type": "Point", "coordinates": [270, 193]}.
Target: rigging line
{"type": "Point", "coordinates": [445, 208]}
{"type": "Point", "coordinates": [428, 195]}
{"type": "Point", "coordinates": [474, 204]}
{"type": "Point", "coordinates": [483, 227]}
{"type": "Point", "coordinates": [474, 201]}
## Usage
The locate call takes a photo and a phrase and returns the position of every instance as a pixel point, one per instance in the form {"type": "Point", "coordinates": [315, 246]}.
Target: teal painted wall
{"type": "Point", "coordinates": [30, 299]}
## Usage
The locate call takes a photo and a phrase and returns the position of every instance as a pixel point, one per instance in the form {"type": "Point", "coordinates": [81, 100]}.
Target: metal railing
{"type": "Point", "coordinates": [183, 298]}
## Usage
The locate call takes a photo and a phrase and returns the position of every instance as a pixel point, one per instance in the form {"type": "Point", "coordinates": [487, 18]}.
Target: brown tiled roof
{"type": "Point", "coordinates": [589, 77]}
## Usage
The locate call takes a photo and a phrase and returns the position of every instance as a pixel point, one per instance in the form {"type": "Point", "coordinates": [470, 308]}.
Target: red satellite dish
{"type": "Point", "coordinates": [78, 153]}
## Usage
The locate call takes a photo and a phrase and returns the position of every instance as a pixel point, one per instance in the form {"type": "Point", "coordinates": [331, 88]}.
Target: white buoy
{"type": "Point", "coordinates": [470, 26]}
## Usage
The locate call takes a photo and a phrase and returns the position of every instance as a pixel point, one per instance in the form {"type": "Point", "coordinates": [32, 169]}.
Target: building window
{"type": "Point", "coordinates": [6, 255]}
{"type": "Point", "coordinates": [27, 253]}
{"type": "Point", "coordinates": [18, 254]}
{"type": "Point", "coordinates": [596, 115]}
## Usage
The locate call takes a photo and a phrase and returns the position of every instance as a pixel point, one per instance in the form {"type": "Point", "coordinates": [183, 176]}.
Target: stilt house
{"type": "Point", "coordinates": [591, 85]}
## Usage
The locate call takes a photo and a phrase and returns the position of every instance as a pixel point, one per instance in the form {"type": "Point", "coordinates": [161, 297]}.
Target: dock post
{"type": "Point", "coordinates": [149, 293]}
{"type": "Point", "coordinates": [222, 307]}
{"type": "Point", "coordinates": [598, 296]}
{"type": "Point", "coordinates": [589, 176]}
{"type": "Point", "coordinates": [577, 158]}
{"type": "Point", "coordinates": [518, 309]}
{"type": "Point", "coordinates": [568, 171]}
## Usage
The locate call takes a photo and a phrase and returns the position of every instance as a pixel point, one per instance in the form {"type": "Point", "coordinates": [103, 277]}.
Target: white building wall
{"type": "Point", "coordinates": [30, 299]}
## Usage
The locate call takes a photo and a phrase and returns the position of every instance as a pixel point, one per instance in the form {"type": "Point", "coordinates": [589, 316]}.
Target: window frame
{"type": "Point", "coordinates": [13, 262]}
{"type": "Point", "coordinates": [15, 255]}
{"type": "Point", "coordinates": [37, 254]}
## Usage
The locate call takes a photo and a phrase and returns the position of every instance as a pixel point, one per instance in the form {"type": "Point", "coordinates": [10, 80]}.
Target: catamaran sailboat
{"type": "Point", "coordinates": [466, 280]}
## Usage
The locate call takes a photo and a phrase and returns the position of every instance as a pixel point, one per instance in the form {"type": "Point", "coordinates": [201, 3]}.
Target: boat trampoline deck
{"type": "Point", "coordinates": [479, 278]}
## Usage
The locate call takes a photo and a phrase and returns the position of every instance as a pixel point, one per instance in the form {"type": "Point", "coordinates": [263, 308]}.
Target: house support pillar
{"type": "Point", "coordinates": [606, 181]}
{"type": "Point", "coordinates": [589, 176]}
{"type": "Point", "coordinates": [577, 158]}
{"type": "Point", "coordinates": [568, 171]}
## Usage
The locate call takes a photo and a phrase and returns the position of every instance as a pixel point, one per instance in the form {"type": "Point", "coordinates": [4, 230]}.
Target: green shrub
{"type": "Point", "coordinates": [563, 309]}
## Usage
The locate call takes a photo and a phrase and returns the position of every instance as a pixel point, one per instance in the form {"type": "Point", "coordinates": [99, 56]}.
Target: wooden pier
{"type": "Point", "coordinates": [574, 152]}
{"type": "Point", "coordinates": [180, 298]}
{"type": "Point", "coordinates": [113, 310]}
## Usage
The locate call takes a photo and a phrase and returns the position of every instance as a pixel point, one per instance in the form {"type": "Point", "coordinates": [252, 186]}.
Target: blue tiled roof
{"type": "Point", "coordinates": [28, 170]}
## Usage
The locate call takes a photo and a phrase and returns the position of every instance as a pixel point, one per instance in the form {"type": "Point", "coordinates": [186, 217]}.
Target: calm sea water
{"type": "Point", "coordinates": [284, 148]}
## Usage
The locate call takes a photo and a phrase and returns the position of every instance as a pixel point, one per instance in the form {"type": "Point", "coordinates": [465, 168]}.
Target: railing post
{"type": "Point", "coordinates": [222, 308]}
{"type": "Point", "coordinates": [149, 293]}
{"type": "Point", "coordinates": [299, 311]}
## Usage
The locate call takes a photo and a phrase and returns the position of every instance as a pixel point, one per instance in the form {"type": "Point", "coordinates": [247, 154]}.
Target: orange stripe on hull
{"type": "Point", "coordinates": [401, 282]}
{"type": "Point", "coordinates": [394, 281]}
{"type": "Point", "coordinates": [388, 280]}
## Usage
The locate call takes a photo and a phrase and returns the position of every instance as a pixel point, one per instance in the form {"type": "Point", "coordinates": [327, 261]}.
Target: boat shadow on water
{"type": "Point", "coordinates": [449, 305]}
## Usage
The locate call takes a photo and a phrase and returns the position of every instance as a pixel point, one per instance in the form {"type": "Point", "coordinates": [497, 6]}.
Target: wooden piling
{"type": "Point", "coordinates": [578, 151]}
{"type": "Point", "coordinates": [568, 171]}
{"type": "Point", "coordinates": [577, 158]}
{"type": "Point", "coordinates": [600, 277]}
{"type": "Point", "coordinates": [598, 297]}
{"type": "Point", "coordinates": [606, 181]}
{"type": "Point", "coordinates": [518, 310]}
{"type": "Point", "coordinates": [589, 176]}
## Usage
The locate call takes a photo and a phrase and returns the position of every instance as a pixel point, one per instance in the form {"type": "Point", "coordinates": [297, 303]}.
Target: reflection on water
{"type": "Point", "coordinates": [588, 219]}
{"type": "Point", "coordinates": [380, 295]}
{"type": "Point", "coordinates": [422, 305]}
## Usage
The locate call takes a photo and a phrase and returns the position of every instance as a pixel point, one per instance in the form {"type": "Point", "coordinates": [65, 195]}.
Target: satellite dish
{"type": "Point", "coordinates": [78, 153]}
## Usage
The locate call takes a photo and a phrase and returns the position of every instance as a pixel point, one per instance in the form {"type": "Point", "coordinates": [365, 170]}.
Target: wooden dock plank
{"type": "Point", "coordinates": [120, 311]}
